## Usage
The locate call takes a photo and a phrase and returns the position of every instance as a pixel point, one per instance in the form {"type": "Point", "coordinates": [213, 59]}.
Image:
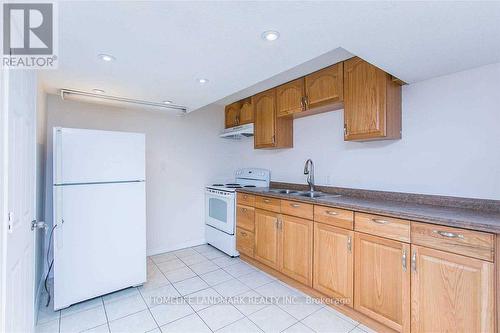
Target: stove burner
{"type": "Point", "coordinates": [232, 184]}
{"type": "Point", "coordinates": [217, 184]}
{"type": "Point", "coordinates": [249, 186]}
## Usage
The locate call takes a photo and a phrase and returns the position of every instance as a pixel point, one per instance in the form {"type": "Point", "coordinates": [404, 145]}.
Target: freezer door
{"type": "Point", "coordinates": [99, 241]}
{"type": "Point", "coordinates": [91, 156]}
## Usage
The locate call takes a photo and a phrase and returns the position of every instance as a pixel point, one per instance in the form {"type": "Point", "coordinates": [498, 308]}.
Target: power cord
{"type": "Point", "coordinates": [49, 264]}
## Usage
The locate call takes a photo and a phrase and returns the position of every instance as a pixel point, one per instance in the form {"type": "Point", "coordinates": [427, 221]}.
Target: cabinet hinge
{"type": "Point", "coordinates": [10, 219]}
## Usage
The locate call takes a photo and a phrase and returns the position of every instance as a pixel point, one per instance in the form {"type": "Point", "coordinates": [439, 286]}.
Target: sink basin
{"type": "Point", "coordinates": [316, 194]}
{"type": "Point", "coordinates": [283, 191]}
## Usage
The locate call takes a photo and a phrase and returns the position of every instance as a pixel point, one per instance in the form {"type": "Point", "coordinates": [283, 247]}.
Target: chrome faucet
{"type": "Point", "coordinates": [309, 171]}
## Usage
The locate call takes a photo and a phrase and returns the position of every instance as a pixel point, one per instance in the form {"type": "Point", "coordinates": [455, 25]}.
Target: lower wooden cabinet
{"type": "Point", "coordinates": [450, 292]}
{"type": "Point", "coordinates": [266, 238]}
{"type": "Point", "coordinates": [245, 241]}
{"type": "Point", "coordinates": [296, 240]}
{"type": "Point", "coordinates": [333, 262]}
{"type": "Point", "coordinates": [382, 280]}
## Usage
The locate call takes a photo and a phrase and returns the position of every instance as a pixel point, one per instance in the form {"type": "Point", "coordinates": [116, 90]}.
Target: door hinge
{"type": "Point", "coordinates": [10, 219]}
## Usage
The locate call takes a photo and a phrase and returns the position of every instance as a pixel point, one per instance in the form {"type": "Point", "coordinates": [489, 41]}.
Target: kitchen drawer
{"type": "Point", "coordinates": [245, 199]}
{"type": "Point", "coordinates": [298, 209]}
{"type": "Point", "coordinates": [245, 217]}
{"type": "Point", "coordinates": [470, 243]}
{"type": "Point", "coordinates": [266, 203]}
{"type": "Point", "coordinates": [244, 241]}
{"type": "Point", "coordinates": [382, 226]}
{"type": "Point", "coordinates": [334, 216]}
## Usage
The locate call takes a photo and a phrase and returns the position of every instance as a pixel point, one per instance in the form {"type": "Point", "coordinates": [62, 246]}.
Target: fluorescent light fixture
{"type": "Point", "coordinates": [69, 94]}
{"type": "Point", "coordinates": [98, 91]}
{"type": "Point", "coordinates": [270, 35]}
{"type": "Point", "coordinates": [202, 81]}
{"type": "Point", "coordinates": [106, 57]}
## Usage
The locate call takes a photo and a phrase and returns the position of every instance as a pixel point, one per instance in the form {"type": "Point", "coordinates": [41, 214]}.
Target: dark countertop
{"type": "Point", "coordinates": [410, 207]}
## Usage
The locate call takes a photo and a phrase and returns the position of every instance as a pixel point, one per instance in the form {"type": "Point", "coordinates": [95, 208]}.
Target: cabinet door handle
{"type": "Point", "coordinates": [414, 261]}
{"type": "Point", "coordinates": [448, 234]}
{"type": "Point", "coordinates": [243, 233]}
{"type": "Point", "coordinates": [302, 104]}
{"type": "Point", "coordinates": [349, 243]}
{"type": "Point", "coordinates": [403, 260]}
{"type": "Point", "coordinates": [379, 221]}
{"type": "Point", "coordinates": [294, 205]}
{"type": "Point", "coordinates": [331, 212]}
{"type": "Point", "coordinates": [306, 102]}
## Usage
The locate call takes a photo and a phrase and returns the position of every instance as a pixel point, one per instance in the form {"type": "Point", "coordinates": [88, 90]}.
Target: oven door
{"type": "Point", "coordinates": [219, 210]}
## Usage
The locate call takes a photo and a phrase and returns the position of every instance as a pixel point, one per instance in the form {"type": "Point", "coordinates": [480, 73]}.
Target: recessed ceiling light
{"type": "Point", "coordinates": [98, 91]}
{"type": "Point", "coordinates": [202, 81]}
{"type": "Point", "coordinates": [270, 35]}
{"type": "Point", "coordinates": [167, 102]}
{"type": "Point", "coordinates": [106, 57]}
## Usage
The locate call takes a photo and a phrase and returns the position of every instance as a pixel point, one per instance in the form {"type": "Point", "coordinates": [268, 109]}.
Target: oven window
{"type": "Point", "coordinates": [217, 209]}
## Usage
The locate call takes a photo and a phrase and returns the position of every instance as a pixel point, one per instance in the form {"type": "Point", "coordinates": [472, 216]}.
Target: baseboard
{"type": "Point", "coordinates": [178, 246]}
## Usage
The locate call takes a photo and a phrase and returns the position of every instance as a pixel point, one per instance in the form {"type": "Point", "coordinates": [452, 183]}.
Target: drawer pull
{"type": "Point", "coordinates": [243, 209]}
{"type": "Point", "coordinates": [245, 196]}
{"type": "Point", "coordinates": [331, 212]}
{"type": "Point", "coordinates": [448, 234]}
{"type": "Point", "coordinates": [243, 233]}
{"type": "Point", "coordinates": [294, 205]}
{"type": "Point", "coordinates": [267, 200]}
{"type": "Point", "coordinates": [380, 221]}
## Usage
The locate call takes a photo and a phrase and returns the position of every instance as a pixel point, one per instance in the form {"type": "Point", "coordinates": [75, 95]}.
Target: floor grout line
{"type": "Point", "coordinates": [106, 314]}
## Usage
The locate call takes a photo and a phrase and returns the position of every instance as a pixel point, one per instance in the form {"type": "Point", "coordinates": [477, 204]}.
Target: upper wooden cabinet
{"type": "Point", "coordinates": [451, 293]}
{"type": "Point", "coordinates": [270, 131]}
{"type": "Point", "coordinates": [232, 114]}
{"type": "Point", "coordinates": [239, 113]}
{"type": "Point", "coordinates": [325, 86]}
{"type": "Point", "coordinates": [372, 102]}
{"type": "Point", "coordinates": [246, 111]}
{"type": "Point", "coordinates": [290, 98]}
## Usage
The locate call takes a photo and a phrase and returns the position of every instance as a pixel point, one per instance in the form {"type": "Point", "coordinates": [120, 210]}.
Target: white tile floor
{"type": "Point", "coordinates": [202, 277]}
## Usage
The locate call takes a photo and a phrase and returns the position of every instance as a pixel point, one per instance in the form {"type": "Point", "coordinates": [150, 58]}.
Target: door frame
{"type": "Point", "coordinates": [3, 188]}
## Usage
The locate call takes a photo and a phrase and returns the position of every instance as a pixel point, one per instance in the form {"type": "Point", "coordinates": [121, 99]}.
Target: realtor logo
{"type": "Point", "coordinates": [28, 35]}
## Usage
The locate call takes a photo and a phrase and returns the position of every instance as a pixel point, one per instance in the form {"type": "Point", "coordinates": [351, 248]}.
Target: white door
{"type": "Point", "coordinates": [20, 89]}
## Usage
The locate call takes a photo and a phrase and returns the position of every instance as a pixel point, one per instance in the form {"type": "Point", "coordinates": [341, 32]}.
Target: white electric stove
{"type": "Point", "coordinates": [220, 207]}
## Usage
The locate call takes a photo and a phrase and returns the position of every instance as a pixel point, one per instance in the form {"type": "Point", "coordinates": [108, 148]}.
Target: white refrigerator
{"type": "Point", "coordinates": [100, 212]}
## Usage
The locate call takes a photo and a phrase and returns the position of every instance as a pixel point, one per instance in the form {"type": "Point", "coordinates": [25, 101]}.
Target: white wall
{"type": "Point", "coordinates": [450, 144]}
{"type": "Point", "coordinates": [183, 154]}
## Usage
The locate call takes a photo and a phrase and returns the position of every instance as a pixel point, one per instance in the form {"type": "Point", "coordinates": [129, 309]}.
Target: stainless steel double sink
{"type": "Point", "coordinates": [306, 194]}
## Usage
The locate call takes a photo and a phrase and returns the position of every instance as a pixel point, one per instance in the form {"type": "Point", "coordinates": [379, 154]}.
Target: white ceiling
{"type": "Point", "coordinates": [162, 48]}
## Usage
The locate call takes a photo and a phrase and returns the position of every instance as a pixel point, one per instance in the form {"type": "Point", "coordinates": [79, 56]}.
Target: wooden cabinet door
{"type": "Point", "coordinates": [372, 102]}
{"type": "Point", "coordinates": [232, 114]}
{"type": "Point", "coordinates": [265, 119]}
{"type": "Point", "coordinates": [450, 292]}
{"type": "Point", "coordinates": [246, 111]}
{"type": "Point", "coordinates": [325, 86]}
{"type": "Point", "coordinates": [290, 98]}
{"type": "Point", "coordinates": [382, 280]}
{"type": "Point", "coordinates": [333, 262]}
{"type": "Point", "coordinates": [296, 240]}
{"type": "Point", "coordinates": [266, 238]}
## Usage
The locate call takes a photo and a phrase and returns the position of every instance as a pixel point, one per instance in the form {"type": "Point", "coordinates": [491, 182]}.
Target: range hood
{"type": "Point", "coordinates": [237, 132]}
